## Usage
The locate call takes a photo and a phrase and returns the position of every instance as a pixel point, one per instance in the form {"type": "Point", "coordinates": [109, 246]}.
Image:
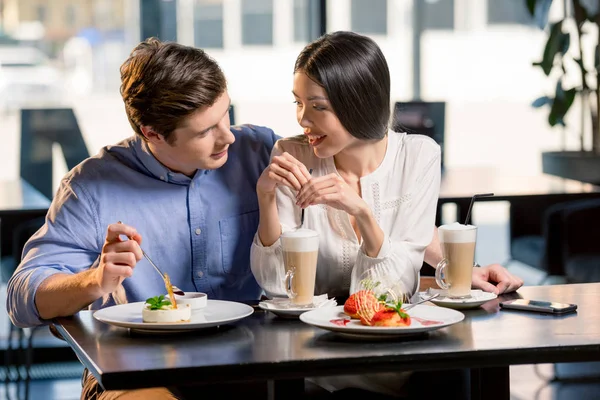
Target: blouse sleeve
{"type": "Point", "coordinates": [401, 255]}
{"type": "Point", "coordinates": [266, 262]}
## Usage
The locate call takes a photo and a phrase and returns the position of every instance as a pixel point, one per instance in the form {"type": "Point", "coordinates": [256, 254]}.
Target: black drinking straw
{"type": "Point", "coordinates": [302, 212]}
{"type": "Point", "coordinates": [475, 196]}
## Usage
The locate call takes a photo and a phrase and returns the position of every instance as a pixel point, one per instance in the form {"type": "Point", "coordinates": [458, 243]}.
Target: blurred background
{"type": "Point", "coordinates": [462, 71]}
{"type": "Point", "coordinates": [474, 55]}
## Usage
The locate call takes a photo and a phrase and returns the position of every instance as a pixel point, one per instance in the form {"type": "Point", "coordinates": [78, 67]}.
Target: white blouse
{"type": "Point", "coordinates": [402, 192]}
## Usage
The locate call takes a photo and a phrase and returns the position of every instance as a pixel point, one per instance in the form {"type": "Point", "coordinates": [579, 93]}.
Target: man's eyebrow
{"type": "Point", "coordinates": [210, 127]}
{"type": "Point", "coordinates": [311, 98]}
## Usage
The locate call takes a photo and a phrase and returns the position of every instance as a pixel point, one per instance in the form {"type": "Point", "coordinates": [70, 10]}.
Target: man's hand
{"type": "Point", "coordinates": [118, 257]}
{"type": "Point", "coordinates": [496, 279]}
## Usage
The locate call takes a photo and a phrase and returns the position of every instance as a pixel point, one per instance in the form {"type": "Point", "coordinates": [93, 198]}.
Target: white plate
{"type": "Point", "coordinates": [478, 297]}
{"type": "Point", "coordinates": [217, 312]}
{"type": "Point", "coordinates": [322, 318]}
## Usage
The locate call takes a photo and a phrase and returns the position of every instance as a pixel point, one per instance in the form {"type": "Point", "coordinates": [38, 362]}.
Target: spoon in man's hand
{"type": "Point", "coordinates": [176, 290]}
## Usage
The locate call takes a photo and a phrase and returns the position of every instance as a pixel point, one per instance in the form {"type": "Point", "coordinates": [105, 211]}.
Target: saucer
{"type": "Point", "coordinates": [283, 307]}
{"type": "Point", "coordinates": [478, 297]}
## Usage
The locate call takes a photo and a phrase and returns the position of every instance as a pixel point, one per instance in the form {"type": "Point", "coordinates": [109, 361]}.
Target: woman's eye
{"type": "Point", "coordinates": [297, 103]}
{"type": "Point", "coordinates": [319, 108]}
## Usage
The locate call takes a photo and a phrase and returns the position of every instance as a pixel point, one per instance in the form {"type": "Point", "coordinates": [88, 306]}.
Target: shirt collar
{"type": "Point", "coordinates": [155, 168]}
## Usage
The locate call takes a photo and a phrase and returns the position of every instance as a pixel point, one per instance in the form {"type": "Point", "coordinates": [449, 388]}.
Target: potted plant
{"type": "Point", "coordinates": [564, 53]}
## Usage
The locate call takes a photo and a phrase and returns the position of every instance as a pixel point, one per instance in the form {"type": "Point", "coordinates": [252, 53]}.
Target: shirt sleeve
{"type": "Point", "coordinates": [401, 255]}
{"type": "Point", "coordinates": [68, 242]}
{"type": "Point", "coordinates": [267, 261]}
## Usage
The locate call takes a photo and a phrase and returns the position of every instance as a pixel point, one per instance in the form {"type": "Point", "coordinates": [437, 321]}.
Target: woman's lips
{"type": "Point", "coordinates": [316, 140]}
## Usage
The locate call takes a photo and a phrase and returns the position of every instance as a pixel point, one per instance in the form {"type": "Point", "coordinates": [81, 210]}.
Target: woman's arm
{"type": "Point", "coordinates": [278, 212]}
{"type": "Point", "coordinates": [399, 260]}
{"type": "Point", "coordinates": [433, 252]}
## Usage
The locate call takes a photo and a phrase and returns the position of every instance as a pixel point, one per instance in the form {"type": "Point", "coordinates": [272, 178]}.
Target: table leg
{"type": "Point", "coordinates": [490, 383]}
{"type": "Point", "coordinates": [288, 389]}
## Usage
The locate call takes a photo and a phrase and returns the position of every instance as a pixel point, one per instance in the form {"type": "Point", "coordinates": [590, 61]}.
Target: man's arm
{"type": "Point", "coordinates": [65, 294]}
{"type": "Point", "coordinates": [62, 295]}
{"type": "Point", "coordinates": [492, 278]}
{"type": "Point", "coordinates": [63, 263]}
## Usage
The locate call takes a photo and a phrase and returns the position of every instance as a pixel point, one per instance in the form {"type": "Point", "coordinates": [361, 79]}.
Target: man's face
{"type": "Point", "coordinates": [201, 142]}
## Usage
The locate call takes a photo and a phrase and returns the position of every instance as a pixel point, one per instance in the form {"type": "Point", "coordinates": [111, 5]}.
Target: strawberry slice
{"type": "Point", "coordinates": [390, 317]}
{"type": "Point", "coordinates": [362, 304]}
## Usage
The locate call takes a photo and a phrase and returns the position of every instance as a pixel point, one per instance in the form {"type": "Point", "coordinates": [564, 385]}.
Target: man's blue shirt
{"type": "Point", "coordinates": [199, 230]}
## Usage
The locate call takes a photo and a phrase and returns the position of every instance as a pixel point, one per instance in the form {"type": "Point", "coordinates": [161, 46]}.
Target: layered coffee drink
{"type": "Point", "coordinates": [300, 253]}
{"type": "Point", "coordinates": [458, 248]}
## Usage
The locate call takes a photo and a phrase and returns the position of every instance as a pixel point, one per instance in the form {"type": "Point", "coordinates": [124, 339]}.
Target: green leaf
{"type": "Point", "coordinates": [541, 101]}
{"type": "Point", "coordinates": [157, 302]}
{"type": "Point", "coordinates": [556, 42]}
{"type": "Point", "coordinates": [531, 7]}
{"type": "Point", "coordinates": [561, 105]}
{"type": "Point", "coordinates": [565, 42]}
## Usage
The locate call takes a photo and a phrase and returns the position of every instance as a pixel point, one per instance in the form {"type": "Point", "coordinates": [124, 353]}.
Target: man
{"type": "Point", "coordinates": [185, 183]}
{"type": "Point", "coordinates": [493, 278]}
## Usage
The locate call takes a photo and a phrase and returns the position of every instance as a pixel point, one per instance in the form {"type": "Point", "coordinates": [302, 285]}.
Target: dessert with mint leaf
{"type": "Point", "coordinates": [159, 309]}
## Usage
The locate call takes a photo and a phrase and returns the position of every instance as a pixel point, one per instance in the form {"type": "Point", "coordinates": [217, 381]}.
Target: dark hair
{"type": "Point", "coordinates": [354, 73]}
{"type": "Point", "coordinates": [162, 83]}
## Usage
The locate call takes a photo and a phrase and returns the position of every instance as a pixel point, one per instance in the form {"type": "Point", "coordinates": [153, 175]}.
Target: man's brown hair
{"type": "Point", "coordinates": [162, 83]}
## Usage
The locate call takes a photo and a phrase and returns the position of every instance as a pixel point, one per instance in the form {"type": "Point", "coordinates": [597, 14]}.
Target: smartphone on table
{"type": "Point", "coordinates": [549, 307]}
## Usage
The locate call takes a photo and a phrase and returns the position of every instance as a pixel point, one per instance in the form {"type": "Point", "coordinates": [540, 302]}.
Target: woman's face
{"type": "Point", "coordinates": [314, 113]}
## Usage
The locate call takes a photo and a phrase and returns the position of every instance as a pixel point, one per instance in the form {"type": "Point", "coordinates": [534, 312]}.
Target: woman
{"type": "Point", "coordinates": [372, 192]}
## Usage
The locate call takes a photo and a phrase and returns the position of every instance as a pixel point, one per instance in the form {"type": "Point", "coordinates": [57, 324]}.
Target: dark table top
{"type": "Point", "coordinates": [263, 346]}
{"type": "Point", "coordinates": [462, 183]}
{"type": "Point", "coordinates": [18, 195]}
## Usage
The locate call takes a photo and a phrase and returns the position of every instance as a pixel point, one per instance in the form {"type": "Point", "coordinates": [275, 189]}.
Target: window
{"type": "Point", "coordinates": [158, 18]}
{"type": "Point", "coordinates": [208, 23]}
{"type": "Point", "coordinates": [307, 17]}
{"type": "Point", "coordinates": [508, 12]}
{"type": "Point", "coordinates": [438, 14]}
{"type": "Point", "coordinates": [41, 13]}
{"type": "Point", "coordinates": [369, 16]}
{"type": "Point", "coordinates": [257, 22]}
{"type": "Point", "coordinates": [70, 15]}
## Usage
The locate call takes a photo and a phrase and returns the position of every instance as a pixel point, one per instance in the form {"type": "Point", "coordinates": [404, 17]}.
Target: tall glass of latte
{"type": "Point", "coordinates": [300, 253]}
{"type": "Point", "coordinates": [454, 272]}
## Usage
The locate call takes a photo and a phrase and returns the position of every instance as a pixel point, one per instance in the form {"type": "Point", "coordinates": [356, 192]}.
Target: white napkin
{"type": "Point", "coordinates": [279, 303]}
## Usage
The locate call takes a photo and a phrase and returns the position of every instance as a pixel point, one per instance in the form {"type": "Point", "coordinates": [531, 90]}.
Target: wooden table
{"type": "Point", "coordinates": [460, 184]}
{"type": "Point", "coordinates": [19, 201]}
{"type": "Point", "coordinates": [263, 347]}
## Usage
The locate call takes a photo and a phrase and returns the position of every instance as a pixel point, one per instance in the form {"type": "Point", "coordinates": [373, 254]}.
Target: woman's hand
{"type": "Point", "coordinates": [333, 191]}
{"type": "Point", "coordinates": [283, 170]}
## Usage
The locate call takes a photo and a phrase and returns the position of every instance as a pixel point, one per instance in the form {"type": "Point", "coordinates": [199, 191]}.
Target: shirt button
{"type": "Point", "coordinates": [162, 178]}
{"type": "Point", "coordinates": [192, 184]}
{"type": "Point", "coordinates": [200, 274]}
{"type": "Point", "coordinates": [198, 231]}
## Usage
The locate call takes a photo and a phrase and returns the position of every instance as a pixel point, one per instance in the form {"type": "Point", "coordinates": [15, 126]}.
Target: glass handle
{"type": "Point", "coordinates": [440, 276]}
{"type": "Point", "coordinates": [289, 278]}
